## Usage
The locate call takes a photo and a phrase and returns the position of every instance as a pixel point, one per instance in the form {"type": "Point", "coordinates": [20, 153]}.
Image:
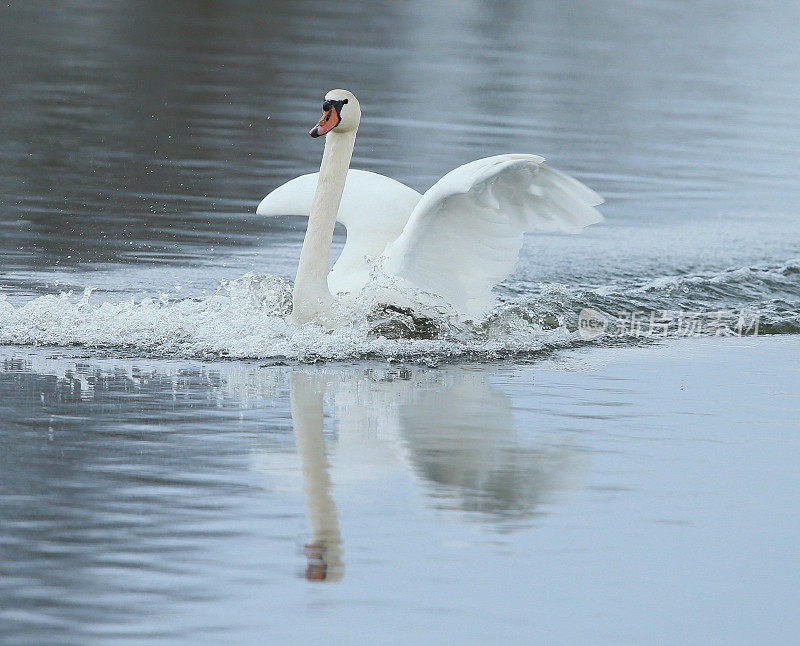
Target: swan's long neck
{"type": "Point", "coordinates": [311, 297]}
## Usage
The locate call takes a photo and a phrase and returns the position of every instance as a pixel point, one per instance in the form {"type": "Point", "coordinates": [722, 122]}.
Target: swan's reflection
{"type": "Point", "coordinates": [452, 432]}
{"type": "Point", "coordinates": [456, 431]}
{"type": "Point", "coordinates": [450, 428]}
{"type": "Point", "coordinates": [324, 551]}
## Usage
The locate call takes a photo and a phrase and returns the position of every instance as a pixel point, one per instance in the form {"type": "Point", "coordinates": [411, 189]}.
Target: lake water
{"type": "Point", "coordinates": [179, 465]}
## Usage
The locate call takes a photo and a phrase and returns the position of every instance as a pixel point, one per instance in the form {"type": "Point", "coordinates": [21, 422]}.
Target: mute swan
{"type": "Point", "coordinates": [458, 240]}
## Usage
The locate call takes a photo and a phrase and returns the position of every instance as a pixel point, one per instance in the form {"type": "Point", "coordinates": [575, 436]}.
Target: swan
{"type": "Point", "coordinates": [458, 240]}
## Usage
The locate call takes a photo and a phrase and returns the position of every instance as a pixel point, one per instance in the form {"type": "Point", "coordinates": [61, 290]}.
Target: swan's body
{"type": "Point", "coordinates": [458, 240]}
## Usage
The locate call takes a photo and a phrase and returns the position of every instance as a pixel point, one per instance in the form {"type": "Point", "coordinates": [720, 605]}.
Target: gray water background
{"type": "Point", "coordinates": [640, 500]}
{"type": "Point", "coordinates": [634, 495]}
{"type": "Point", "coordinates": [139, 136]}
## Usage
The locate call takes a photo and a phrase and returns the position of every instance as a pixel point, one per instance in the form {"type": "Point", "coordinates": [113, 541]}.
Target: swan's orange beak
{"type": "Point", "coordinates": [330, 119]}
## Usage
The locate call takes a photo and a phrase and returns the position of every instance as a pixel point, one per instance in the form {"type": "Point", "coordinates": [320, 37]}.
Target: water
{"type": "Point", "coordinates": [140, 138]}
{"type": "Point", "coordinates": [605, 496]}
{"type": "Point", "coordinates": [153, 480]}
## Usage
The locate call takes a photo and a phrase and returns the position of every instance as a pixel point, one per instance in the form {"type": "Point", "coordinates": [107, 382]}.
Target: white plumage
{"type": "Point", "coordinates": [459, 239]}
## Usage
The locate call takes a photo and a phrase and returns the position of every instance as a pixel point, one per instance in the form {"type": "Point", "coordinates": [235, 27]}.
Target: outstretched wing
{"type": "Point", "coordinates": [465, 233]}
{"type": "Point", "coordinates": [374, 209]}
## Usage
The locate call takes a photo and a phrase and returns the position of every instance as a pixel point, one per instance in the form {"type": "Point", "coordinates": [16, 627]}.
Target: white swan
{"type": "Point", "coordinates": [458, 240]}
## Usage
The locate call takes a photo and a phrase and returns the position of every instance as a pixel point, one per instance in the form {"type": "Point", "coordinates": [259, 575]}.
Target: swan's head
{"type": "Point", "coordinates": [341, 111]}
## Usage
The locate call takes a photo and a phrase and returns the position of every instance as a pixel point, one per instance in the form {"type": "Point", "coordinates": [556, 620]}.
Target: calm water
{"type": "Point", "coordinates": [617, 496]}
{"type": "Point", "coordinates": [177, 475]}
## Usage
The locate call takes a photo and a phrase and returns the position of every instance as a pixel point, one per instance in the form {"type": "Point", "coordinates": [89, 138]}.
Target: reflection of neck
{"type": "Point", "coordinates": [311, 294]}
{"type": "Point", "coordinates": [306, 396]}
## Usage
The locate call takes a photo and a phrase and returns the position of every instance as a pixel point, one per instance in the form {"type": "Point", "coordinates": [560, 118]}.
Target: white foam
{"type": "Point", "coordinates": [245, 319]}
{"type": "Point", "coordinates": [684, 283]}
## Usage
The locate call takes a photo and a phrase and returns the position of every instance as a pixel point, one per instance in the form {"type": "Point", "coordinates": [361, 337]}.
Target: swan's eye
{"type": "Point", "coordinates": [326, 106]}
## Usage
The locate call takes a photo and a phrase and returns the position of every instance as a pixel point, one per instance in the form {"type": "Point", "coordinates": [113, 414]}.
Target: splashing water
{"type": "Point", "coordinates": [245, 318]}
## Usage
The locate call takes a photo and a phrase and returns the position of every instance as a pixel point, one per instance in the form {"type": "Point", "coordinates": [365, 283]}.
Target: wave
{"type": "Point", "coordinates": [245, 319]}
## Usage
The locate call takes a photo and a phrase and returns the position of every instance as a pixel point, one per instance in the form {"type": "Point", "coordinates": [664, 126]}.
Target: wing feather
{"type": "Point", "coordinates": [374, 209]}
{"type": "Point", "coordinates": [464, 235]}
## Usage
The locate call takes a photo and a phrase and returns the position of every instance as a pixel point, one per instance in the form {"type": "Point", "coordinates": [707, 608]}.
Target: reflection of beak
{"type": "Point", "coordinates": [317, 568]}
{"type": "Point", "coordinates": [330, 119]}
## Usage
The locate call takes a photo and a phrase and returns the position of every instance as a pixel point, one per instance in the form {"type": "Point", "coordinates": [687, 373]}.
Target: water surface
{"type": "Point", "coordinates": [140, 137]}
{"type": "Point", "coordinates": [177, 464]}
{"type": "Point", "coordinates": [609, 497]}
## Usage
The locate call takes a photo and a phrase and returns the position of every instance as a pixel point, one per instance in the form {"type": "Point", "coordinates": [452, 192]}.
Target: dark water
{"type": "Point", "coordinates": [139, 136]}
{"type": "Point", "coordinates": [150, 496]}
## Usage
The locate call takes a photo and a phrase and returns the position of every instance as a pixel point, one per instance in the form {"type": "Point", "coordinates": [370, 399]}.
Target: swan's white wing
{"type": "Point", "coordinates": [464, 235]}
{"type": "Point", "coordinates": [374, 209]}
